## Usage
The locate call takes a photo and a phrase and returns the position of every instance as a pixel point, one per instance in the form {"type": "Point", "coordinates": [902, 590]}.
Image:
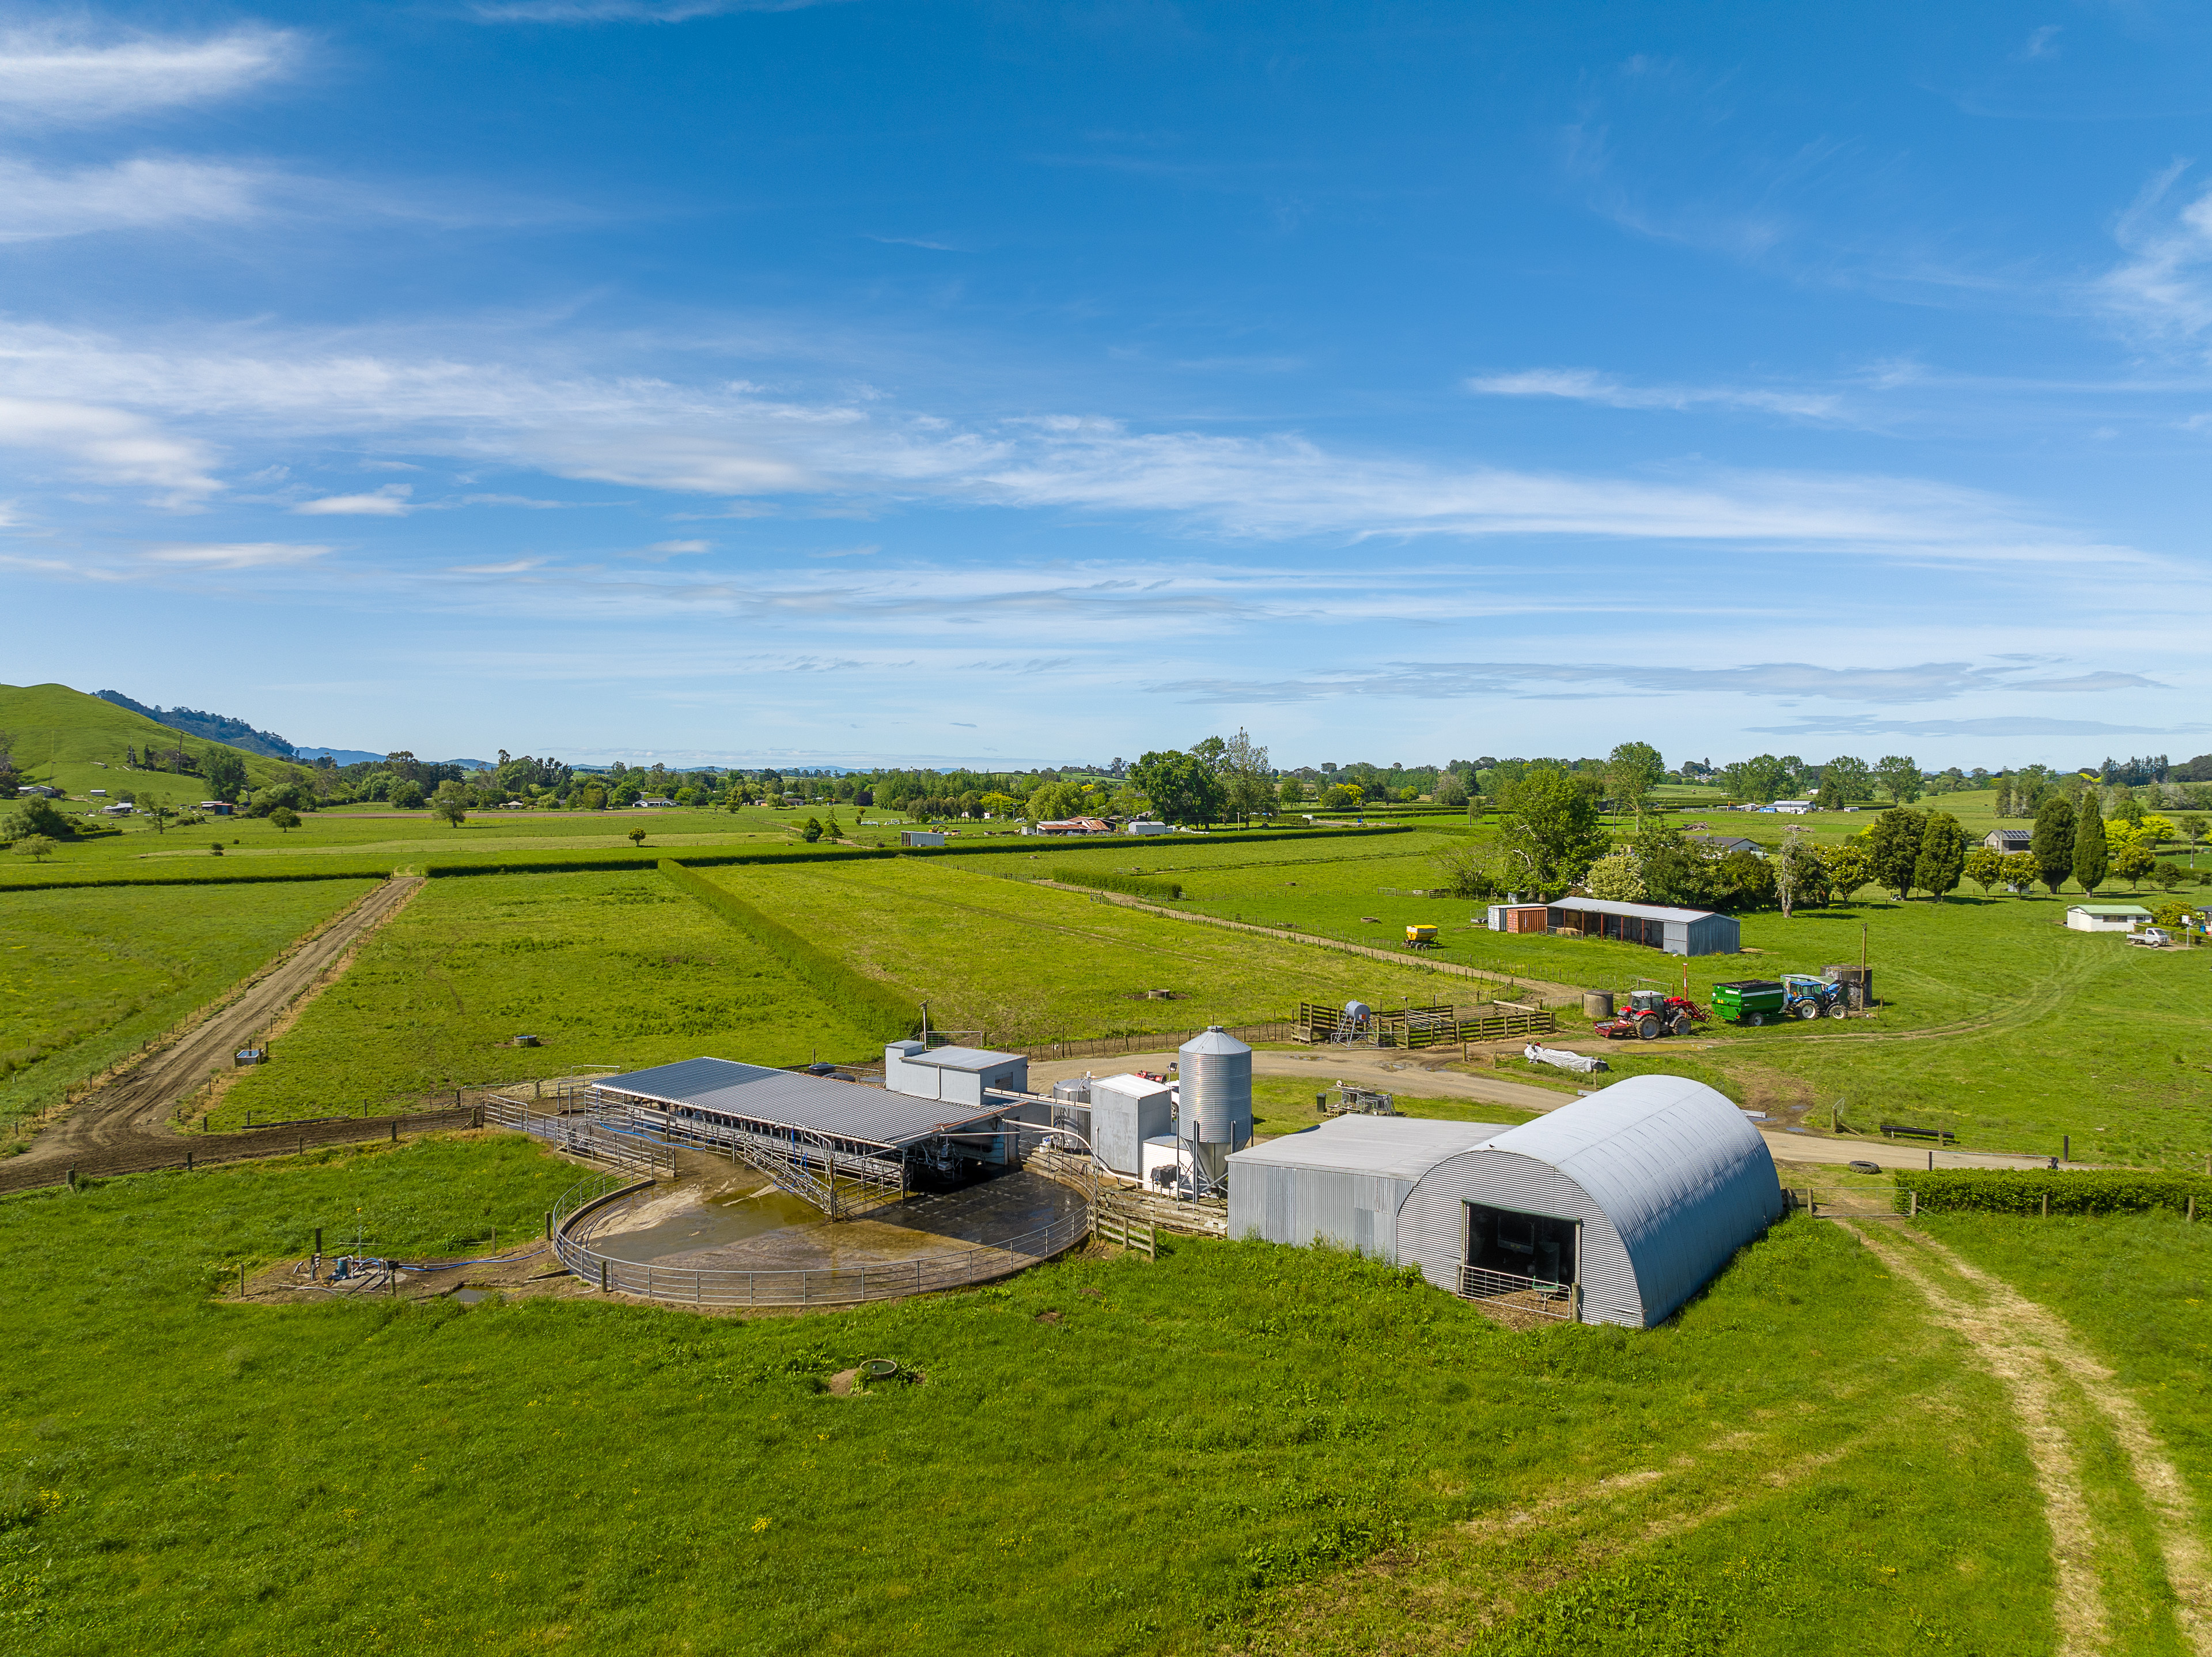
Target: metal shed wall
{"type": "Point", "coordinates": [1710, 935]}
{"type": "Point", "coordinates": [1666, 1175]}
{"type": "Point", "coordinates": [1304, 1205]}
{"type": "Point", "coordinates": [1125, 1112]}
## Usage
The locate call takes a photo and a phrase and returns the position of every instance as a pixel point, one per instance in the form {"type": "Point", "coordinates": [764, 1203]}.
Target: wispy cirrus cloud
{"type": "Point", "coordinates": [854, 453]}
{"type": "Point", "coordinates": [1932, 681]}
{"type": "Point", "coordinates": [625, 11]}
{"type": "Point", "coordinates": [2001, 726]}
{"type": "Point", "coordinates": [142, 193]}
{"type": "Point", "coordinates": [100, 444]}
{"type": "Point", "coordinates": [389, 501]}
{"type": "Point", "coordinates": [236, 555]}
{"type": "Point", "coordinates": [72, 73]}
{"type": "Point", "coordinates": [2164, 288]}
{"type": "Point", "coordinates": [1588, 385]}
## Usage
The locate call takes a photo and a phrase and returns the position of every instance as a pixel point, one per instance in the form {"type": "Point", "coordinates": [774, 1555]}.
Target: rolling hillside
{"type": "Point", "coordinates": [76, 742]}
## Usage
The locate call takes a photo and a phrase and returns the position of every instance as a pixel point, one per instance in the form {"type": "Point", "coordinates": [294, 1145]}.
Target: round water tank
{"type": "Point", "coordinates": [1357, 1011]}
{"type": "Point", "coordinates": [1075, 1090]}
{"type": "Point", "coordinates": [1215, 1095]}
{"type": "Point", "coordinates": [1597, 1003]}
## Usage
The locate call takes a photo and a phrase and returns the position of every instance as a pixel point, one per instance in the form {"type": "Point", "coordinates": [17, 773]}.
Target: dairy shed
{"type": "Point", "coordinates": [1615, 1208]}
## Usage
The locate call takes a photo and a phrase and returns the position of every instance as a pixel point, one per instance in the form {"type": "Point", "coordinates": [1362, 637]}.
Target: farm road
{"type": "Point", "coordinates": [2066, 1402]}
{"type": "Point", "coordinates": [130, 1114]}
{"type": "Point", "coordinates": [1395, 1074]}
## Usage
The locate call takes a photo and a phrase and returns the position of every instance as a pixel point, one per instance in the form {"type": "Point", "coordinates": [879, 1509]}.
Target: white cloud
{"type": "Point", "coordinates": [626, 11]}
{"type": "Point", "coordinates": [642, 432]}
{"type": "Point", "coordinates": [1587, 385]}
{"type": "Point", "coordinates": [847, 552]}
{"type": "Point", "coordinates": [57, 74]}
{"type": "Point", "coordinates": [2001, 726]}
{"type": "Point", "coordinates": [1931, 681]}
{"type": "Point", "coordinates": [109, 445]}
{"type": "Point", "coordinates": [2165, 287]}
{"type": "Point", "coordinates": [136, 194]}
{"type": "Point", "coordinates": [237, 555]}
{"type": "Point", "coordinates": [681, 546]}
{"type": "Point", "coordinates": [389, 502]}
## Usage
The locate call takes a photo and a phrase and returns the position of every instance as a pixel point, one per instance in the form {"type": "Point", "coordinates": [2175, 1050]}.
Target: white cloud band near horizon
{"type": "Point", "coordinates": [267, 396]}
{"type": "Point", "coordinates": [63, 73]}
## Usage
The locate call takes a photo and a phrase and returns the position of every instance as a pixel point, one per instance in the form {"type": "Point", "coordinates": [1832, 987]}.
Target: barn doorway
{"type": "Point", "coordinates": [1532, 1260]}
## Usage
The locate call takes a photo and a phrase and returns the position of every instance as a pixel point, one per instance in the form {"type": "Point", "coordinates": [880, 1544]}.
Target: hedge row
{"type": "Point", "coordinates": [873, 1006]}
{"type": "Point", "coordinates": [1133, 886]}
{"type": "Point", "coordinates": [2022, 1191]}
{"type": "Point", "coordinates": [214, 873]}
{"type": "Point", "coordinates": [198, 876]}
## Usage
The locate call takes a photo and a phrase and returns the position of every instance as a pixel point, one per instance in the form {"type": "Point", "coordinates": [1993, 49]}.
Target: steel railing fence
{"type": "Point", "coordinates": [583, 1207]}
{"type": "Point", "coordinates": [1534, 1297]}
{"type": "Point", "coordinates": [581, 1134]}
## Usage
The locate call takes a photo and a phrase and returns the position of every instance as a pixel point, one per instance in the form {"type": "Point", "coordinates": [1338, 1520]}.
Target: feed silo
{"type": "Point", "coordinates": [1214, 1104]}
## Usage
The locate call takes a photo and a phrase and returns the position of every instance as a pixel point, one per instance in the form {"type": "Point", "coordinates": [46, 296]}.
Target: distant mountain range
{"type": "Point", "coordinates": [208, 728]}
{"type": "Point", "coordinates": [362, 756]}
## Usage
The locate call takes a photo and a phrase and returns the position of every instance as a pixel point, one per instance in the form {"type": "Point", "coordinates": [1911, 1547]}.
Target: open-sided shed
{"type": "Point", "coordinates": [1616, 1209]}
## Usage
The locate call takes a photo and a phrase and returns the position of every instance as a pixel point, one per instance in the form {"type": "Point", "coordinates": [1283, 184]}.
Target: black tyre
{"type": "Point", "coordinates": [1836, 1009]}
{"type": "Point", "coordinates": [1754, 1019]}
{"type": "Point", "coordinates": [1808, 1009]}
{"type": "Point", "coordinates": [1648, 1027]}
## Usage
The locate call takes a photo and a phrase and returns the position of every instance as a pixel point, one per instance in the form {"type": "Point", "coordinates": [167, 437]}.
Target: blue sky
{"type": "Point", "coordinates": [1023, 383]}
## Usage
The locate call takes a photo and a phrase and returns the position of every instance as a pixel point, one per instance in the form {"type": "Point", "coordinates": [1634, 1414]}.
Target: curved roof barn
{"type": "Point", "coordinates": [1636, 1195]}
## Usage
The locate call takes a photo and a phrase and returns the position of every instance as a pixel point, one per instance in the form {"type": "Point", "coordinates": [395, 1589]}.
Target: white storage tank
{"type": "Point", "coordinates": [1214, 1096]}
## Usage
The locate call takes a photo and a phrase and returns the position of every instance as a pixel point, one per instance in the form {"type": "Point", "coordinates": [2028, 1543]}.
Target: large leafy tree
{"type": "Point", "coordinates": [2050, 842]}
{"type": "Point", "coordinates": [1246, 777]}
{"type": "Point", "coordinates": [1845, 781]}
{"type": "Point", "coordinates": [1800, 874]}
{"type": "Point", "coordinates": [1984, 867]}
{"type": "Point", "coordinates": [1894, 849]}
{"type": "Point", "coordinates": [1631, 772]}
{"type": "Point", "coordinates": [1942, 857]}
{"type": "Point", "coordinates": [226, 774]}
{"type": "Point", "coordinates": [1180, 788]}
{"type": "Point", "coordinates": [1900, 776]}
{"type": "Point", "coordinates": [1761, 778]}
{"type": "Point", "coordinates": [1548, 828]}
{"type": "Point", "coordinates": [2092, 854]}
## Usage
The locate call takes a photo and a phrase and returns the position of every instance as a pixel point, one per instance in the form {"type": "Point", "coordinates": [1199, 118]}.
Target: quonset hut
{"type": "Point", "coordinates": [1615, 1208]}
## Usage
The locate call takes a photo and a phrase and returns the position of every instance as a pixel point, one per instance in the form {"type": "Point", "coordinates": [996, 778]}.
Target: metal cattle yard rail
{"type": "Point", "coordinates": [588, 1205]}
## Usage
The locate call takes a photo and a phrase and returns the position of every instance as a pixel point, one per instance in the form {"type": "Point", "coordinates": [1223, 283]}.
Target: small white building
{"type": "Point", "coordinates": [921, 837]}
{"type": "Point", "coordinates": [1793, 808]}
{"type": "Point", "coordinates": [2107, 918]}
{"type": "Point", "coordinates": [1146, 827]}
{"type": "Point", "coordinates": [957, 1076]}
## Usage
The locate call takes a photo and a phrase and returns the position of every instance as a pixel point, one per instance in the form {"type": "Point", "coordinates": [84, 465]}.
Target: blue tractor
{"type": "Point", "coordinates": [1804, 996]}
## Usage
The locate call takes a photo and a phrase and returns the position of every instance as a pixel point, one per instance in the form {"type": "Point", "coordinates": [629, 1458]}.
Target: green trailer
{"type": "Point", "coordinates": [1749, 1001]}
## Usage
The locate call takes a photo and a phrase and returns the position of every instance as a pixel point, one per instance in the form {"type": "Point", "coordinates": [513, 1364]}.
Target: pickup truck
{"type": "Point", "coordinates": [2154, 937]}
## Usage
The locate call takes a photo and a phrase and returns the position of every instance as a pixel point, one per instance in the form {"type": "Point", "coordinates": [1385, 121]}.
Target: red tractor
{"type": "Point", "coordinates": [1651, 1014]}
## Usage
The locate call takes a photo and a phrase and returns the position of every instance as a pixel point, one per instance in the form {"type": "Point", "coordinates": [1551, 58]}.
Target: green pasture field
{"type": "Point", "coordinates": [2137, 1287]}
{"type": "Point", "coordinates": [1998, 1023]}
{"type": "Point", "coordinates": [87, 976]}
{"type": "Point", "coordinates": [619, 970]}
{"type": "Point", "coordinates": [1198, 1453]}
{"type": "Point", "coordinates": [1284, 1105]}
{"type": "Point", "coordinates": [1026, 964]}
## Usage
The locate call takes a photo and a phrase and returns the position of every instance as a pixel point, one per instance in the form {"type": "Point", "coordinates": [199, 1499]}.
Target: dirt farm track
{"type": "Point", "coordinates": [126, 1125]}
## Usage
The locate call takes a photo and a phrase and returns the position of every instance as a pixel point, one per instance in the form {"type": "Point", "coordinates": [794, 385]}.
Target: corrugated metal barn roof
{"type": "Point", "coordinates": [1649, 911]}
{"type": "Point", "coordinates": [1406, 1146]}
{"type": "Point", "coordinates": [784, 1099]}
{"type": "Point", "coordinates": [1682, 1175]}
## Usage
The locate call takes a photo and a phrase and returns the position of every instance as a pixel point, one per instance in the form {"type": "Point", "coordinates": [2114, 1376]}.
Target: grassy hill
{"type": "Point", "coordinates": [75, 741]}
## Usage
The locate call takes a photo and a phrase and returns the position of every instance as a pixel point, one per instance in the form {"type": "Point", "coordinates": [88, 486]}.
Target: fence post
{"type": "Point", "coordinates": [602, 1274]}
{"type": "Point", "coordinates": [1915, 1213]}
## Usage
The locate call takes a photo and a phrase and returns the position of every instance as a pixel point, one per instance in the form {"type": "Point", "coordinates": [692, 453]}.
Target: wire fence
{"type": "Point", "coordinates": [588, 1206]}
{"type": "Point", "coordinates": [188, 1151]}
